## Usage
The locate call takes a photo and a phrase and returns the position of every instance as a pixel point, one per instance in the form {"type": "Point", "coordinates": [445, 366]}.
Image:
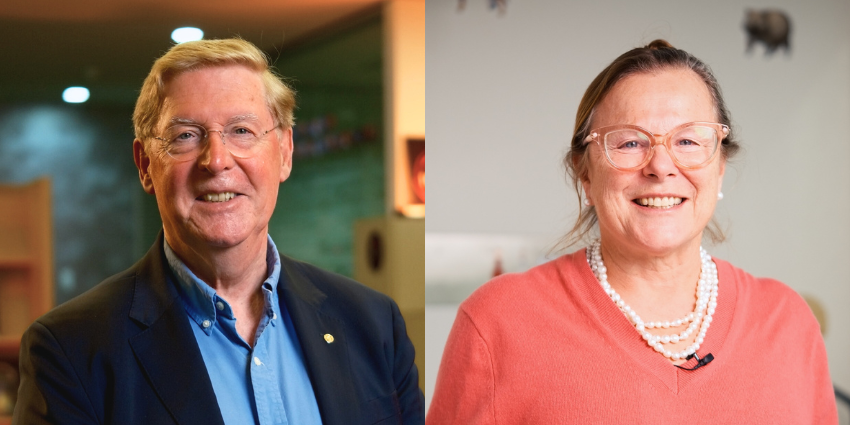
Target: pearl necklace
{"type": "Point", "coordinates": [703, 311]}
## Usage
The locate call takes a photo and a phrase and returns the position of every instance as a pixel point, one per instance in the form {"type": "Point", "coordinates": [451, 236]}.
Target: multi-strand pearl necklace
{"type": "Point", "coordinates": [703, 311]}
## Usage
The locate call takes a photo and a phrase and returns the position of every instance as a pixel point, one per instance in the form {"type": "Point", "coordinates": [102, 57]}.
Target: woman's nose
{"type": "Point", "coordinates": [661, 164]}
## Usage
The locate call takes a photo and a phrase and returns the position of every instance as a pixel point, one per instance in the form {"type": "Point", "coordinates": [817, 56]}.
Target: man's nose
{"type": "Point", "coordinates": [216, 156]}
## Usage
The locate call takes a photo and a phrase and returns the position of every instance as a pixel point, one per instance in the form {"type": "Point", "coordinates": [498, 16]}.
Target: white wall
{"type": "Point", "coordinates": [502, 92]}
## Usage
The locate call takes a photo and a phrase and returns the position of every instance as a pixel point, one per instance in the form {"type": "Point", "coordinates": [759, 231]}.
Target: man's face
{"type": "Point", "coordinates": [193, 196]}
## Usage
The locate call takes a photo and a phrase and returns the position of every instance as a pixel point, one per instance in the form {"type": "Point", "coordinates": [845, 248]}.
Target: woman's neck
{"type": "Point", "coordinates": [658, 287]}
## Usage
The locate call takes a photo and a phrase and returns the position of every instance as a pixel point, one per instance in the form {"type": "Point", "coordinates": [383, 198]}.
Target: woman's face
{"type": "Point", "coordinates": [658, 102]}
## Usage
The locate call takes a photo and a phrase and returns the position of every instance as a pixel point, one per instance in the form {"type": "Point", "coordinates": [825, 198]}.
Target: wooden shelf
{"type": "Point", "coordinates": [10, 345]}
{"type": "Point", "coordinates": [15, 263]}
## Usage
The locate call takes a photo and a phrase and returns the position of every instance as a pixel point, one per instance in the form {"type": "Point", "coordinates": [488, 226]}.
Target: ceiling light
{"type": "Point", "coordinates": [75, 94]}
{"type": "Point", "coordinates": [182, 35]}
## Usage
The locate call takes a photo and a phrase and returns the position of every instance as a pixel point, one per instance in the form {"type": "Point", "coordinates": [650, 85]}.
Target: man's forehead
{"type": "Point", "coordinates": [214, 80]}
{"type": "Point", "coordinates": [204, 96]}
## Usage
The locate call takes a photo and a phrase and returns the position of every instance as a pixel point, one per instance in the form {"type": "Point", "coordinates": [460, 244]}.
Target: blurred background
{"type": "Point", "coordinates": [504, 83]}
{"type": "Point", "coordinates": [72, 210]}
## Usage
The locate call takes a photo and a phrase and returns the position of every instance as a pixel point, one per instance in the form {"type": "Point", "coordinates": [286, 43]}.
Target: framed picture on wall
{"type": "Point", "coordinates": [410, 198]}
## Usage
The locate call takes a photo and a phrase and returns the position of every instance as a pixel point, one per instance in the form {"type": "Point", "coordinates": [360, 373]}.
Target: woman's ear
{"type": "Point", "coordinates": [585, 185]}
{"type": "Point", "coordinates": [583, 174]}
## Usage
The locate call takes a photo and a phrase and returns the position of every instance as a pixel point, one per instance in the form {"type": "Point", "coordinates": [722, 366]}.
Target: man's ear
{"type": "Point", "coordinates": [286, 147]}
{"type": "Point", "coordinates": [143, 163]}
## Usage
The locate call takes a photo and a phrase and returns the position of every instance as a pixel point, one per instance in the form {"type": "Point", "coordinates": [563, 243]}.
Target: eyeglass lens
{"type": "Point", "coordinates": [691, 146]}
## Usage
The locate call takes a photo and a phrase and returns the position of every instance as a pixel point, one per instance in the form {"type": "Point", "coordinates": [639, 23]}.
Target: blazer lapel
{"type": "Point", "coordinates": [166, 350]}
{"type": "Point", "coordinates": [327, 363]}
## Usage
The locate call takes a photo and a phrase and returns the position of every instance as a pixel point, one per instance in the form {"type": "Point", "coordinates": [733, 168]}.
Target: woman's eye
{"type": "Point", "coordinates": [630, 145]}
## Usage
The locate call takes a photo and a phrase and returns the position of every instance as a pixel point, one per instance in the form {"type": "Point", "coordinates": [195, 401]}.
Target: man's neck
{"type": "Point", "coordinates": [236, 273]}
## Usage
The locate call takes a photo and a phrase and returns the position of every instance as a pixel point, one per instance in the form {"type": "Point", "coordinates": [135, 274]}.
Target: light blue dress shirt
{"type": "Point", "coordinates": [265, 385]}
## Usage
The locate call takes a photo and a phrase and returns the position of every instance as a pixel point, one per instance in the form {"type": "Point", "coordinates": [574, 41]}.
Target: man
{"type": "Point", "coordinates": [213, 326]}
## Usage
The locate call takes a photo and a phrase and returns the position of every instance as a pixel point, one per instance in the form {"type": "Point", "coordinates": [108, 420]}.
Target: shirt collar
{"type": "Point", "coordinates": [201, 301]}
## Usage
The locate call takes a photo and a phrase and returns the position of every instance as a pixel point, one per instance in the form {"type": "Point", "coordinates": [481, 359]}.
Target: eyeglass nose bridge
{"type": "Point", "coordinates": [221, 134]}
{"type": "Point", "coordinates": [654, 141]}
{"type": "Point", "coordinates": [207, 146]}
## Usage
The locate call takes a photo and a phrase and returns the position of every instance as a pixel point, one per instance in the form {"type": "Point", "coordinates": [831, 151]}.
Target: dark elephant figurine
{"type": "Point", "coordinates": [771, 27]}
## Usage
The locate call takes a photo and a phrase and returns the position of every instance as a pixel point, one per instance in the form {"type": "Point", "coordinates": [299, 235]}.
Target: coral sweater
{"type": "Point", "coordinates": [549, 347]}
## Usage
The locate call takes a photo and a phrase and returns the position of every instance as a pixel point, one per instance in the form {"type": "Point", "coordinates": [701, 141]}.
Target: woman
{"type": "Point", "coordinates": [642, 326]}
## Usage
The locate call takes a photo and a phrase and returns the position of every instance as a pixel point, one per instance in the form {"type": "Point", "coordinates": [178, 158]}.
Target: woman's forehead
{"type": "Point", "coordinates": [657, 101]}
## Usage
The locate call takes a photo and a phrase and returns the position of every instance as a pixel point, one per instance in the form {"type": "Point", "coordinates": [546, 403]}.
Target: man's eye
{"type": "Point", "coordinates": [241, 131]}
{"type": "Point", "coordinates": [185, 135]}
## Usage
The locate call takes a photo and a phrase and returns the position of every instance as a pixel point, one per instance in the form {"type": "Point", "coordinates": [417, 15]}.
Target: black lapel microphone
{"type": "Point", "coordinates": [700, 361]}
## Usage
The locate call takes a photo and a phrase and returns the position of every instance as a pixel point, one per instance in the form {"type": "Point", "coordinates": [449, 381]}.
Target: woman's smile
{"type": "Point", "coordinates": [659, 202]}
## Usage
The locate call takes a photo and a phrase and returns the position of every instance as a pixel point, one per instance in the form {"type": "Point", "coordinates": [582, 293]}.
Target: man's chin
{"type": "Point", "coordinates": [221, 240]}
{"type": "Point", "coordinates": [216, 239]}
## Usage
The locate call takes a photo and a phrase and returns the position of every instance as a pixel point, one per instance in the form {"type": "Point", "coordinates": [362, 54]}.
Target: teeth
{"type": "Point", "coordinates": [219, 197]}
{"type": "Point", "coordinates": [665, 202]}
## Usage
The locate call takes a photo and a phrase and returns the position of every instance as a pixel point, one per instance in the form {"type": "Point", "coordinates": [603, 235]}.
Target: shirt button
{"type": "Point", "coordinates": [274, 315]}
{"type": "Point", "coordinates": [257, 361]}
{"type": "Point", "coordinates": [219, 305]}
{"type": "Point", "coordinates": [206, 323]}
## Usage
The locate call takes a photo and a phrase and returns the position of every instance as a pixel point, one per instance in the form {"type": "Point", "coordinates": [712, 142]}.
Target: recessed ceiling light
{"type": "Point", "coordinates": [75, 94]}
{"type": "Point", "coordinates": [182, 35]}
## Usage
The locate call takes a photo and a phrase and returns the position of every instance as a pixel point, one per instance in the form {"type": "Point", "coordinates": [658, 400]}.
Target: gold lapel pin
{"type": "Point", "coordinates": [329, 338]}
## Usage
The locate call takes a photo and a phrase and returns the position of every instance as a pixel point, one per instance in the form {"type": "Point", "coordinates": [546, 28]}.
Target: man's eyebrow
{"type": "Point", "coordinates": [232, 120]}
{"type": "Point", "coordinates": [180, 120]}
{"type": "Point", "coordinates": [243, 118]}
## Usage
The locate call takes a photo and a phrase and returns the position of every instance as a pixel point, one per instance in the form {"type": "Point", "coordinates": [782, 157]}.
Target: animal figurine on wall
{"type": "Point", "coordinates": [769, 26]}
{"type": "Point", "coordinates": [500, 5]}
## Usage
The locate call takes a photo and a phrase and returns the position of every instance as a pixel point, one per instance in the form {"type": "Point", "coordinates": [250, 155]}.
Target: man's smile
{"type": "Point", "coordinates": [217, 197]}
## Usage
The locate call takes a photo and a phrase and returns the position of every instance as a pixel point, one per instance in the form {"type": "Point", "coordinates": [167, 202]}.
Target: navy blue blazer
{"type": "Point", "coordinates": [124, 353]}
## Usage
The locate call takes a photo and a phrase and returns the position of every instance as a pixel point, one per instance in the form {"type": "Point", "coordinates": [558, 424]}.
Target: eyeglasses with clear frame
{"type": "Point", "coordinates": [629, 147]}
{"type": "Point", "coordinates": [185, 142]}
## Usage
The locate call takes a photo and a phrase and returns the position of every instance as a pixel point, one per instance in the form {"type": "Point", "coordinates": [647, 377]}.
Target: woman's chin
{"type": "Point", "coordinates": [662, 242]}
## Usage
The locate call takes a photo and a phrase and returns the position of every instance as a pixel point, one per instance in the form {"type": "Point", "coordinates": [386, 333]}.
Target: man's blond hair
{"type": "Point", "coordinates": [194, 55]}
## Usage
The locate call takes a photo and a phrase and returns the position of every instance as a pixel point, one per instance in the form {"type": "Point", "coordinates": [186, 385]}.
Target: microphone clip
{"type": "Point", "coordinates": [700, 361]}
